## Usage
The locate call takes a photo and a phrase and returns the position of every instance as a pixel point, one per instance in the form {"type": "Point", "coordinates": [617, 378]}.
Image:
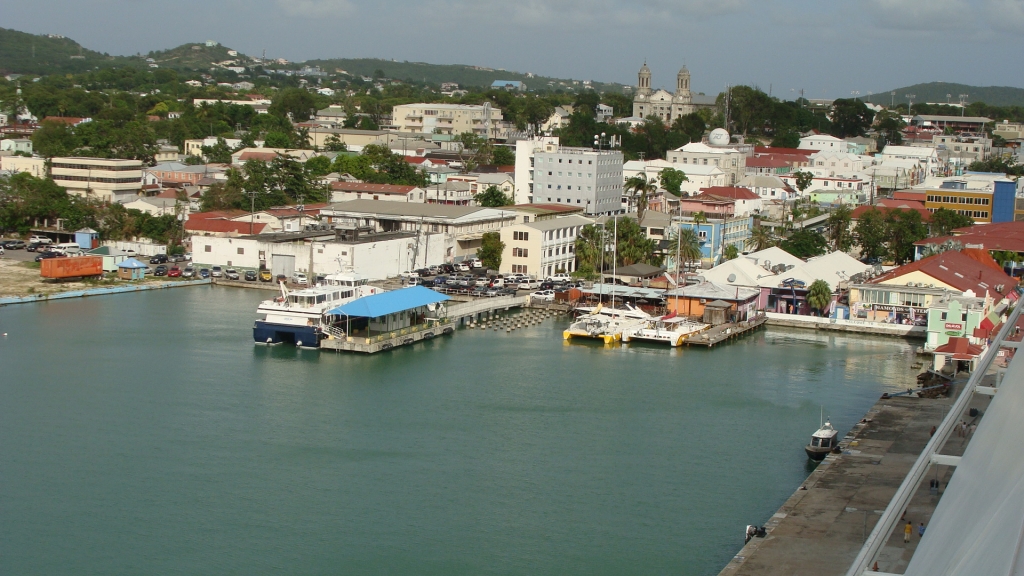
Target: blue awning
{"type": "Point", "coordinates": [389, 302]}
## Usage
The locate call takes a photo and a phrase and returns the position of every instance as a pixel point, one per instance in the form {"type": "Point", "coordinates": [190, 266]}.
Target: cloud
{"type": "Point", "coordinates": [318, 8]}
{"type": "Point", "coordinates": [921, 14]}
{"type": "Point", "coordinates": [1006, 15]}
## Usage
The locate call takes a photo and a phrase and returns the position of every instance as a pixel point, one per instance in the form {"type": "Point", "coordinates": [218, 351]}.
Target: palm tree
{"type": "Point", "coordinates": [640, 189]}
{"type": "Point", "coordinates": [819, 295]}
{"type": "Point", "coordinates": [760, 239]}
{"type": "Point", "coordinates": [590, 245]}
{"type": "Point", "coordinates": [700, 218]}
{"type": "Point", "coordinates": [688, 243]}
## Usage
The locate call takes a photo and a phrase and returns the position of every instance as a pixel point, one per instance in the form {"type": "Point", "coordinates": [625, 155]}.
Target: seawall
{"type": "Point", "coordinates": [851, 326]}
{"type": "Point", "coordinates": [99, 291]}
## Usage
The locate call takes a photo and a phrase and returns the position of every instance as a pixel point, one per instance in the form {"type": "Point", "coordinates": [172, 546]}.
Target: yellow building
{"type": "Point", "coordinates": [974, 203]}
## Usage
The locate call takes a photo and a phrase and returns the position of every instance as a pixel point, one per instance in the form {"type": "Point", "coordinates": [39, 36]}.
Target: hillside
{"type": "Point", "coordinates": [195, 56]}
{"type": "Point", "coordinates": [936, 92]}
{"type": "Point", "coordinates": [438, 73]}
{"type": "Point", "coordinates": [22, 53]}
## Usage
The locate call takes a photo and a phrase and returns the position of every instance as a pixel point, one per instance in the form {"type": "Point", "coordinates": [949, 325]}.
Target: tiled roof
{"type": "Point", "coordinates": [960, 348]}
{"type": "Point", "coordinates": [734, 192]}
{"type": "Point", "coordinates": [1001, 236]}
{"type": "Point", "coordinates": [961, 271]}
{"type": "Point", "coordinates": [217, 225]}
{"type": "Point", "coordinates": [216, 214]}
{"type": "Point", "coordinates": [760, 150]}
{"type": "Point", "coordinates": [375, 188]}
{"type": "Point", "coordinates": [265, 156]}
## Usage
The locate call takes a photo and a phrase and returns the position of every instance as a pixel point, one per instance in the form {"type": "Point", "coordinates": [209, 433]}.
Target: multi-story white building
{"type": "Point", "coordinates": [106, 179]}
{"type": "Point", "coordinates": [452, 119]}
{"type": "Point", "coordinates": [730, 160]}
{"type": "Point", "coordinates": [927, 157]}
{"type": "Point", "coordinates": [698, 176]}
{"type": "Point", "coordinates": [525, 149]}
{"type": "Point", "coordinates": [825, 143]}
{"type": "Point", "coordinates": [831, 163]}
{"type": "Point", "coordinates": [583, 177]}
{"type": "Point", "coordinates": [23, 145]}
{"type": "Point", "coordinates": [14, 164]}
{"type": "Point", "coordinates": [541, 248]}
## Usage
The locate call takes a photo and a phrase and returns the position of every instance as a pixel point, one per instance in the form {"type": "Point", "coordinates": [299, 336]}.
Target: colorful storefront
{"type": "Point", "coordinates": [960, 317]}
{"type": "Point", "coordinates": [894, 304]}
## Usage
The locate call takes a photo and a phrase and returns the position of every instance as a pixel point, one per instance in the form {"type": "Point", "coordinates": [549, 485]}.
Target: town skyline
{"type": "Point", "coordinates": [721, 43]}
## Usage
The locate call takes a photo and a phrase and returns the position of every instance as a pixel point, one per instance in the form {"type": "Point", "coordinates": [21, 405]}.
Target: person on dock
{"type": "Point", "coordinates": [907, 531]}
{"type": "Point", "coordinates": [920, 530]}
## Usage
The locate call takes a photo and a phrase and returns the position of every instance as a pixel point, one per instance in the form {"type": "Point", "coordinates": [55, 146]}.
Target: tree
{"type": "Point", "coordinates": [54, 139]}
{"type": "Point", "coordinates": [786, 139]}
{"type": "Point", "coordinates": [493, 197]}
{"type": "Point", "coordinates": [890, 127]}
{"type": "Point", "coordinates": [687, 243]}
{"type": "Point", "coordinates": [491, 248]}
{"type": "Point", "coordinates": [870, 234]}
{"type": "Point", "coordinates": [672, 180]}
{"type": "Point", "coordinates": [640, 188]}
{"type": "Point", "coordinates": [904, 227]}
{"type": "Point", "coordinates": [761, 238]}
{"type": "Point", "coordinates": [943, 221]}
{"type": "Point", "coordinates": [294, 101]}
{"type": "Point", "coordinates": [334, 144]}
{"type": "Point", "coordinates": [803, 180]}
{"type": "Point", "coordinates": [277, 139]}
{"type": "Point", "coordinates": [632, 244]}
{"type": "Point", "coordinates": [805, 243]}
{"type": "Point", "coordinates": [731, 252]}
{"type": "Point", "coordinates": [219, 152]}
{"type": "Point", "coordinates": [503, 156]}
{"type": "Point", "coordinates": [590, 246]}
{"type": "Point", "coordinates": [850, 117]}
{"type": "Point", "coordinates": [318, 166]}
{"type": "Point", "coordinates": [839, 235]}
{"type": "Point", "coordinates": [692, 125]}
{"type": "Point", "coordinates": [819, 296]}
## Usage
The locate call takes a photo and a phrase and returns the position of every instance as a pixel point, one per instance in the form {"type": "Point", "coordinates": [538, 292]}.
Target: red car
{"type": "Point", "coordinates": [174, 272]}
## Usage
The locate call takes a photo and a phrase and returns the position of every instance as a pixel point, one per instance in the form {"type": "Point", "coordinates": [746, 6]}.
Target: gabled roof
{"type": "Point", "coordinates": [391, 302]}
{"type": "Point", "coordinates": [222, 214]}
{"type": "Point", "coordinates": [761, 150]}
{"type": "Point", "coordinates": [956, 269]}
{"type": "Point", "coordinates": [960, 348]}
{"type": "Point", "coordinates": [713, 291]}
{"type": "Point", "coordinates": [215, 225]}
{"type": "Point", "coordinates": [734, 192]}
{"type": "Point", "coordinates": [343, 186]}
{"type": "Point", "coordinates": [1001, 236]}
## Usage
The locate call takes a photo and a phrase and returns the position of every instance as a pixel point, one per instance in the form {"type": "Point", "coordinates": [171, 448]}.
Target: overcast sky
{"type": "Point", "coordinates": [827, 48]}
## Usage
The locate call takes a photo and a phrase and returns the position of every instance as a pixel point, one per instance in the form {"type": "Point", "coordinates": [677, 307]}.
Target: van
{"type": "Point", "coordinates": [68, 248]}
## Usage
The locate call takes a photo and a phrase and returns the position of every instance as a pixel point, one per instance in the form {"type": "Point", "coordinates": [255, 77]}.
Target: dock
{"type": "Point", "coordinates": [723, 332]}
{"type": "Point", "coordinates": [822, 527]}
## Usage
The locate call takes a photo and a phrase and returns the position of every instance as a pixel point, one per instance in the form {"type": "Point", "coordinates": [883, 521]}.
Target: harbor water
{"type": "Point", "coordinates": [145, 433]}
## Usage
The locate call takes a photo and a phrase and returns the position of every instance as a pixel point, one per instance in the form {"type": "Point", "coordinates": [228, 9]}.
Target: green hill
{"type": "Point", "coordinates": [22, 53]}
{"type": "Point", "coordinates": [195, 56]}
{"type": "Point", "coordinates": [462, 74]}
{"type": "Point", "coordinates": [936, 92]}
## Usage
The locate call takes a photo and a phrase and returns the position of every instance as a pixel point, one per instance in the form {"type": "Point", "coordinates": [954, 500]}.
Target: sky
{"type": "Point", "coordinates": [826, 48]}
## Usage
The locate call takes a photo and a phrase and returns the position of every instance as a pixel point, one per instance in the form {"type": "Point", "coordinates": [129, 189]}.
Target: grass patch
{"type": "Point", "coordinates": [31, 265]}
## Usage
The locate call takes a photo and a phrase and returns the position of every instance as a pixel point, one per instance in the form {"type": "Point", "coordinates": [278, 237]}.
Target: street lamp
{"type": "Point", "coordinates": [910, 103]}
{"type": "Point", "coordinates": [892, 99]}
{"type": "Point", "coordinates": [963, 103]}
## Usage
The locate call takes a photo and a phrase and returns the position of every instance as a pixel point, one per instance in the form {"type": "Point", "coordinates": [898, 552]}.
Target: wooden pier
{"type": "Point", "coordinates": [724, 332]}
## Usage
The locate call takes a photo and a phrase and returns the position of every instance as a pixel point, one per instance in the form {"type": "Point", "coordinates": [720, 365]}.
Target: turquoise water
{"type": "Point", "coordinates": [145, 433]}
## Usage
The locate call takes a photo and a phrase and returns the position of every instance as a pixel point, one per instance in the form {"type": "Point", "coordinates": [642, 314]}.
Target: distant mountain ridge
{"type": "Point", "coordinates": [936, 92]}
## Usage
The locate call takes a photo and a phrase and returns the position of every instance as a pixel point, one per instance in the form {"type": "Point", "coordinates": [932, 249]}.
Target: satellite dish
{"type": "Point", "coordinates": [731, 278]}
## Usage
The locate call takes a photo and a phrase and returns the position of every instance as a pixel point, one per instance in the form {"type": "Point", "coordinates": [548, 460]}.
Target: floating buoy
{"type": "Point", "coordinates": [298, 343]}
{"type": "Point", "coordinates": [269, 340]}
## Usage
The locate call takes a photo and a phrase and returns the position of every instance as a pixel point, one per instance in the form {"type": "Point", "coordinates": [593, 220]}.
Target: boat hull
{"type": "Point", "coordinates": [817, 453]}
{"type": "Point", "coordinates": [270, 333]}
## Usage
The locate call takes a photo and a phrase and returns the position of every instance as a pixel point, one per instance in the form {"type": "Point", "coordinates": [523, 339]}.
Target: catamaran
{"type": "Point", "coordinates": [297, 317]}
{"type": "Point", "coordinates": [604, 323]}
{"type": "Point", "coordinates": [671, 329]}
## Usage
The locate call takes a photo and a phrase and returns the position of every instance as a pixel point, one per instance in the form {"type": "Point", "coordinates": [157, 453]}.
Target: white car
{"type": "Point", "coordinates": [474, 263]}
{"type": "Point", "coordinates": [1, 250]}
{"type": "Point", "coordinates": [529, 284]}
{"type": "Point", "coordinates": [543, 295]}
{"type": "Point", "coordinates": [299, 278]}
{"type": "Point", "coordinates": [462, 267]}
{"type": "Point", "coordinates": [39, 240]}
{"type": "Point", "coordinates": [560, 277]}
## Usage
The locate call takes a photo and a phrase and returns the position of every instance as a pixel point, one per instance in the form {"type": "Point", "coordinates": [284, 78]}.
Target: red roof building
{"type": "Point", "coordinates": [66, 120]}
{"type": "Point", "coordinates": [343, 191]}
{"type": "Point", "coordinates": [956, 271]}
{"type": "Point", "coordinates": [264, 156]}
{"type": "Point", "coordinates": [1008, 236]}
{"type": "Point", "coordinates": [909, 195]}
{"type": "Point", "coordinates": [734, 192]}
{"type": "Point", "coordinates": [224, 228]}
{"type": "Point", "coordinates": [959, 349]}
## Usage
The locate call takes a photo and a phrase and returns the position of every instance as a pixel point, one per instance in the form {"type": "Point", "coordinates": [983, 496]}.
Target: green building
{"type": "Point", "coordinates": [959, 316]}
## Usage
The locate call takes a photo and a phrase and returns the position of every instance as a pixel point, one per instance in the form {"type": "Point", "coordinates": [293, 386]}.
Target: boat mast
{"type": "Point", "coordinates": [615, 256]}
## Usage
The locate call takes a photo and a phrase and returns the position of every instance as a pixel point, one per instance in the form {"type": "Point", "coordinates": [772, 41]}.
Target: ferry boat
{"type": "Point", "coordinates": [297, 316]}
{"type": "Point", "coordinates": [822, 442]}
{"type": "Point", "coordinates": [670, 329]}
{"type": "Point", "coordinates": [606, 324]}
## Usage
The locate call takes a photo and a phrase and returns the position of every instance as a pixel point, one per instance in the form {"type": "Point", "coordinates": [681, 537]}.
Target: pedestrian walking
{"type": "Point", "coordinates": [907, 530]}
{"type": "Point", "coordinates": [920, 530]}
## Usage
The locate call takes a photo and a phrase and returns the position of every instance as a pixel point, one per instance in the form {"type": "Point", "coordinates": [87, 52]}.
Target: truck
{"type": "Point", "coordinates": [64, 268]}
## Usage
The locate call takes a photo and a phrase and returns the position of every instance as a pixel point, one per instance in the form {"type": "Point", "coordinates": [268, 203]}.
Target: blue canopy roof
{"type": "Point", "coordinates": [131, 263]}
{"type": "Point", "coordinates": [389, 302]}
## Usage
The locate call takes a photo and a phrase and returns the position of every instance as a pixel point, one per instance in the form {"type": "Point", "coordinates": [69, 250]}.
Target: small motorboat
{"type": "Point", "coordinates": [822, 442]}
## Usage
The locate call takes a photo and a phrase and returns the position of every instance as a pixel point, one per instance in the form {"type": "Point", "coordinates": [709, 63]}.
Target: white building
{"type": "Point", "coordinates": [583, 177]}
{"type": "Point", "coordinates": [525, 149]}
{"type": "Point", "coordinates": [927, 157]}
{"type": "Point", "coordinates": [452, 119]}
{"type": "Point", "coordinates": [106, 179]}
{"type": "Point", "coordinates": [23, 145]}
{"type": "Point", "coordinates": [15, 164]}
{"type": "Point", "coordinates": [542, 248]}
{"type": "Point", "coordinates": [698, 176]}
{"type": "Point", "coordinates": [825, 143]}
{"type": "Point", "coordinates": [768, 187]}
{"type": "Point", "coordinates": [733, 162]}
{"type": "Point", "coordinates": [833, 163]}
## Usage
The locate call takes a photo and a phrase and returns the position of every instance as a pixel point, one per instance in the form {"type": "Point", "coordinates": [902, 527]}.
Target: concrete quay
{"type": "Point", "coordinates": [822, 527]}
{"type": "Point", "coordinates": [851, 326]}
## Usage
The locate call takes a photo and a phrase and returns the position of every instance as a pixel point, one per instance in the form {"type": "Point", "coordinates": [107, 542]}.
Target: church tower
{"type": "Point", "coordinates": [644, 80]}
{"type": "Point", "coordinates": [682, 100]}
{"type": "Point", "coordinates": [641, 100]}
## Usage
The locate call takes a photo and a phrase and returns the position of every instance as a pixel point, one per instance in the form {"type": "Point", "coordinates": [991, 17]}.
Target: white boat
{"type": "Point", "coordinates": [298, 316]}
{"type": "Point", "coordinates": [671, 330]}
{"type": "Point", "coordinates": [603, 323]}
{"type": "Point", "coordinates": [823, 441]}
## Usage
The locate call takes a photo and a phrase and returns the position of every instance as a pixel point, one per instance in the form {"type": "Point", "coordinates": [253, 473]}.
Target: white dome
{"type": "Point", "coordinates": [718, 137]}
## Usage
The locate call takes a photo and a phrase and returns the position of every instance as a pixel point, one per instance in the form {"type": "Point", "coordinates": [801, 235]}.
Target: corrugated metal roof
{"type": "Point", "coordinates": [389, 302]}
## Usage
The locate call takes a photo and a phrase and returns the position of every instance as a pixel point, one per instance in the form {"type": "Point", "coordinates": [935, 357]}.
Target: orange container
{"type": "Point", "coordinates": [80, 266]}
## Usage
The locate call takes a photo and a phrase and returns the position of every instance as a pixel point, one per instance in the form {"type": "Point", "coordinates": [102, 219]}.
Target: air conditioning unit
{"type": "Point", "coordinates": [703, 301]}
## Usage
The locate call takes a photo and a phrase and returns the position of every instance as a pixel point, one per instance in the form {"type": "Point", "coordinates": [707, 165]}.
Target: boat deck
{"type": "Point", "coordinates": [387, 341]}
{"type": "Point", "coordinates": [722, 332]}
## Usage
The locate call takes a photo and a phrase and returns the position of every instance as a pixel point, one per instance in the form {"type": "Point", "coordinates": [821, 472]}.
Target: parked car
{"type": "Point", "coordinates": [498, 282]}
{"type": "Point", "coordinates": [482, 282]}
{"type": "Point", "coordinates": [507, 292]}
{"type": "Point", "coordinates": [44, 255]}
{"type": "Point", "coordinates": [462, 267]}
{"type": "Point", "coordinates": [434, 270]}
{"type": "Point", "coordinates": [14, 245]}
{"type": "Point", "coordinates": [2, 253]}
{"type": "Point", "coordinates": [491, 292]}
{"type": "Point", "coordinates": [39, 240]}
{"type": "Point", "coordinates": [250, 276]}
{"type": "Point", "coordinates": [176, 258]}
{"type": "Point", "coordinates": [475, 263]}
{"type": "Point", "coordinates": [547, 285]}
{"type": "Point", "coordinates": [265, 275]}
{"type": "Point", "coordinates": [189, 272]}
{"type": "Point", "coordinates": [231, 274]}
{"type": "Point", "coordinates": [204, 272]}
{"type": "Point", "coordinates": [33, 246]}
{"type": "Point", "coordinates": [174, 272]}
{"type": "Point", "coordinates": [161, 270]}
{"type": "Point", "coordinates": [281, 278]}
{"type": "Point", "coordinates": [529, 284]}
{"type": "Point", "coordinates": [217, 272]}
{"type": "Point", "coordinates": [130, 253]}
{"type": "Point", "coordinates": [560, 277]}
{"type": "Point", "coordinates": [447, 269]}
{"type": "Point", "coordinates": [299, 278]}
{"type": "Point", "coordinates": [158, 259]}
{"type": "Point", "coordinates": [543, 295]}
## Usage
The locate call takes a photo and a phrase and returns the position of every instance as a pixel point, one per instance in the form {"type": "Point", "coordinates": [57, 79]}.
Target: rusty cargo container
{"type": "Point", "coordinates": [77, 267]}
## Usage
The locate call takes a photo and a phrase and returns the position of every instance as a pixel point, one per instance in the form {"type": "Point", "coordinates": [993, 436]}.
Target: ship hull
{"type": "Point", "coordinates": [270, 333]}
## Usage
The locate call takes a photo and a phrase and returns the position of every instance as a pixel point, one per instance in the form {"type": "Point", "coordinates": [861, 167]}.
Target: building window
{"type": "Point", "coordinates": [241, 250]}
{"type": "Point", "coordinates": [208, 248]}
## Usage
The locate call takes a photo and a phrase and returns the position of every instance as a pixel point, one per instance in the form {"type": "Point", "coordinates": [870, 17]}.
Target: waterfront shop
{"type": "Point", "coordinates": [383, 321]}
{"type": "Point", "coordinates": [891, 304]}
{"type": "Point", "coordinates": [960, 317]}
{"type": "Point", "coordinates": [131, 269]}
{"type": "Point", "coordinates": [691, 301]}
